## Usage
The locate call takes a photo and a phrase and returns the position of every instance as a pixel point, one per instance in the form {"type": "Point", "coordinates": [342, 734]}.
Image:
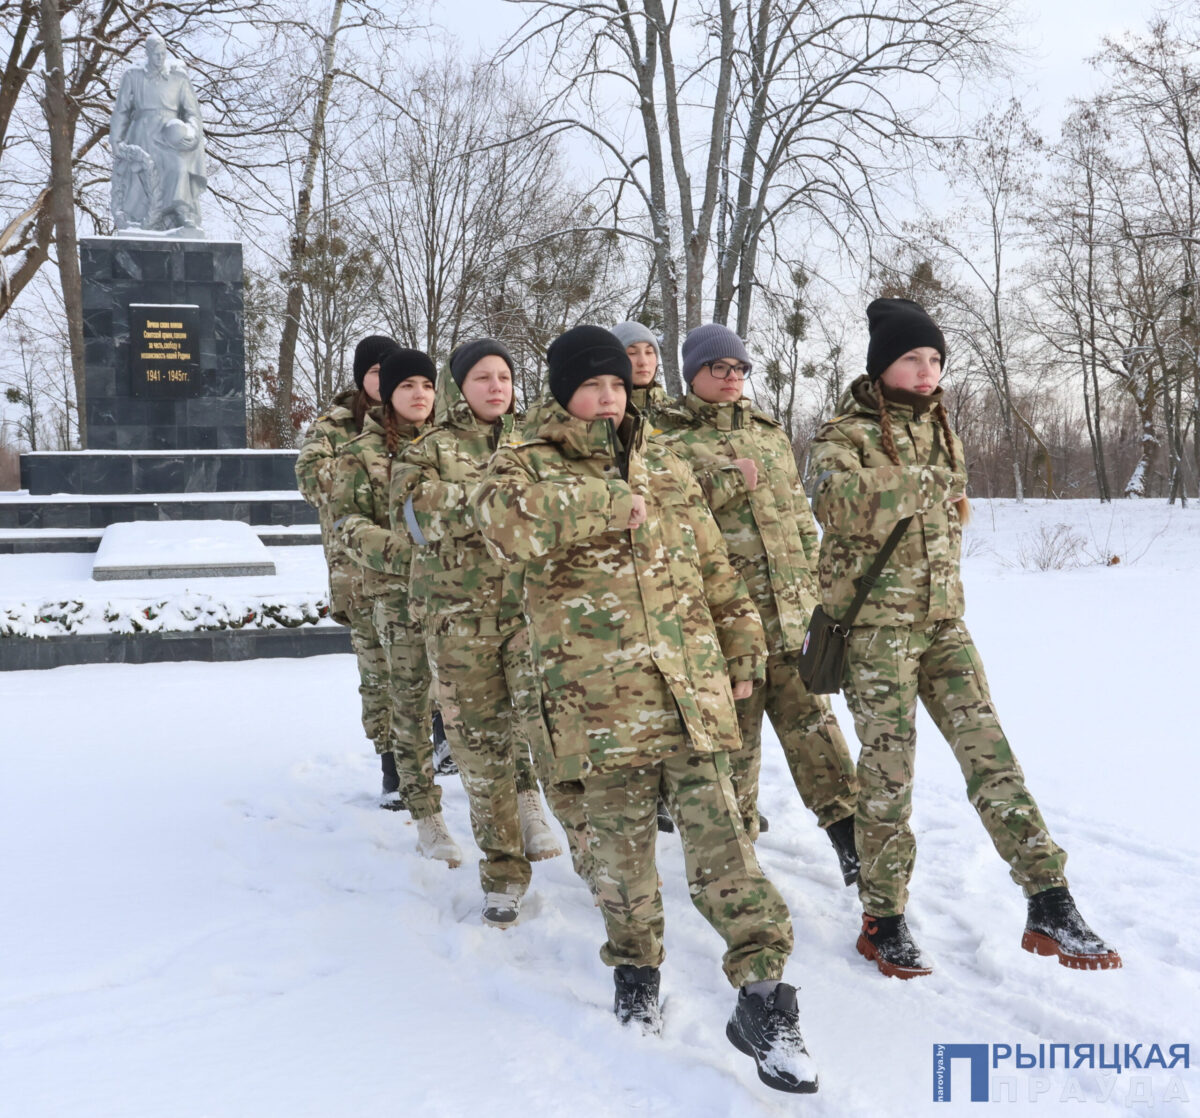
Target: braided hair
{"type": "Point", "coordinates": [889, 443]}
{"type": "Point", "coordinates": [391, 427]}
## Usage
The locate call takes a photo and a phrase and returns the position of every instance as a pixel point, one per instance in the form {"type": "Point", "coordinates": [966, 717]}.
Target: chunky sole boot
{"type": "Point", "coordinates": [434, 841]}
{"type": "Point", "coordinates": [886, 942]}
{"type": "Point", "coordinates": [536, 837]}
{"type": "Point", "coordinates": [768, 1029]}
{"type": "Point", "coordinates": [841, 834]}
{"type": "Point", "coordinates": [1055, 928]}
{"type": "Point", "coordinates": [635, 1000]}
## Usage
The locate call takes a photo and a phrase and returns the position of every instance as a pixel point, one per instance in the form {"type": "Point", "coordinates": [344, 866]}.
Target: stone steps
{"type": "Point", "coordinates": [33, 541]}
{"type": "Point", "coordinates": [98, 510]}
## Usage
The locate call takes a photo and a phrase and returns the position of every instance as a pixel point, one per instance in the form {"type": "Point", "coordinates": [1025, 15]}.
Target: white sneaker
{"type": "Point", "coordinates": [434, 841]}
{"type": "Point", "coordinates": [501, 910]}
{"type": "Point", "coordinates": [538, 839]}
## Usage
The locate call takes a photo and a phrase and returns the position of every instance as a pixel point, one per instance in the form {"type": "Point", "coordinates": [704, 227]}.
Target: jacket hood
{"type": "Point", "coordinates": [548, 421]}
{"type": "Point", "coordinates": [859, 397]}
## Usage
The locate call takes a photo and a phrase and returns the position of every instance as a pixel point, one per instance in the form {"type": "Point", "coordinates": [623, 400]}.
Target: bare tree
{"type": "Point", "coordinates": [748, 113]}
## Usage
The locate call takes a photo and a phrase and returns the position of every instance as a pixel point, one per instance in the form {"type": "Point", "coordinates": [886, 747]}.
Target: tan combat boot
{"type": "Point", "coordinates": [536, 836]}
{"type": "Point", "coordinates": [434, 841]}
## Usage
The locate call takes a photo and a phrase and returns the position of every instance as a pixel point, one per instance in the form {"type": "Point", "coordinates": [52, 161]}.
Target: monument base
{"type": "Point", "coordinates": [132, 402]}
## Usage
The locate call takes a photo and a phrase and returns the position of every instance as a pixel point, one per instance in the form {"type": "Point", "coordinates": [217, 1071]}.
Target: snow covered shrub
{"type": "Point", "coordinates": [1055, 547]}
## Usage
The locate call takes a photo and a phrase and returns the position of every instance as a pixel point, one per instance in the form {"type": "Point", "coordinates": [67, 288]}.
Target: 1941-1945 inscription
{"type": "Point", "coordinates": [164, 343]}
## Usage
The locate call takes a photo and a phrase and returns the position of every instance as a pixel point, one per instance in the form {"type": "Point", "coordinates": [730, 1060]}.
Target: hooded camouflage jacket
{"type": "Point", "coordinates": [769, 530]}
{"type": "Point", "coordinates": [454, 578]}
{"type": "Point", "coordinates": [636, 634]}
{"type": "Point", "coordinates": [314, 476]}
{"type": "Point", "coordinates": [859, 497]}
{"type": "Point", "coordinates": [652, 403]}
{"type": "Point", "coordinates": [359, 501]}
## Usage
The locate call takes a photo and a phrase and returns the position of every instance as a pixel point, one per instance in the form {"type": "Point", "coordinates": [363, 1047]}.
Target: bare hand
{"type": "Point", "coordinates": [638, 516]}
{"type": "Point", "coordinates": [749, 470]}
{"type": "Point", "coordinates": [743, 689]}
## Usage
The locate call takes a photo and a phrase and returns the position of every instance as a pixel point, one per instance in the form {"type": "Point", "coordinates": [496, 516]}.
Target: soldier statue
{"type": "Point", "coordinates": [157, 140]}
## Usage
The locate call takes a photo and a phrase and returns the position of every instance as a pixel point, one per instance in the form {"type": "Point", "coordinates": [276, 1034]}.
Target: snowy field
{"type": "Point", "coordinates": [204, 914]}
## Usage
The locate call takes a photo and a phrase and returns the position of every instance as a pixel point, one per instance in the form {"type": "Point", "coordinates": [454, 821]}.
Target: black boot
{"type": "Point", "coordinates": [665, 823]}
{"type": "Point", "coordinates": [443, 763]}
{"type": "Point", "coordinates": [885, 941]}
{"type": "Point", "coordinates": [1054, 927]}
{"type": "Point", "coordinates": [841, 834]}
{"type": "Point", "coordinates": [390, 798]}
{"type": "Point", "coordinates": [763, 825]}
{"type": "Point", "coordinates": [636, 998]}
{"type": "Point", "coordinates": [769, 1030]}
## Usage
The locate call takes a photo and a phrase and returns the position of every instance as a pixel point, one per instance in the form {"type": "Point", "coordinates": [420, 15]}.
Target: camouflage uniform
{"type": "Point", "coordinates": [653, 404]}
{"type": "Point", "coordinates": [348, 604]}
{"type": "Point", "coordinates": [470, 608]}
{"type": "Point", "coordinates": [772, 541]}
{"type": "Point", "coordinates": [910, 641]}
{"type": "Point", "coordinates": [636, 636]}
{"type": "Point", "coordinates": [359, 502]}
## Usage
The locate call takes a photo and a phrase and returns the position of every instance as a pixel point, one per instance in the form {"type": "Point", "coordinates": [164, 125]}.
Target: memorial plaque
{"type": "Point", "coordinates": [164, 349]}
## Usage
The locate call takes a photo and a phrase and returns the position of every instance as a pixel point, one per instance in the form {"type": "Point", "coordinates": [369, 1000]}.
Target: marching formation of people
{"type": "Point", "coordinates": [606, 595]}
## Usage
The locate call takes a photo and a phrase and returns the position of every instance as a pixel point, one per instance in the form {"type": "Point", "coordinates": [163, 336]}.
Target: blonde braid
{"type": "Point", "coordinates": [391, 427]}
{"type": "Point", "coordinates": [962, 504]}
{"type": "Point", "coordinates": [942, 418]}
{"type": "Point", "coordinates": [885, 426]}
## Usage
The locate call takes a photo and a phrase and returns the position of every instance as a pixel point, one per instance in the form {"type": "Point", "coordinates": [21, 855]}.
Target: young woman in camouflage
{"type": "Point", "coordinates": [887, 455]}
{"type": "Point", "coordinates": [745, 464]}
{"type": "Point", "coordinates": [470, 608]}
{"type": "Point", "coordinates": [348, 603]}
{"type": "Point", "coordinates": [360, 507]}
{"type": "Point", "coordinates": [641, 634]}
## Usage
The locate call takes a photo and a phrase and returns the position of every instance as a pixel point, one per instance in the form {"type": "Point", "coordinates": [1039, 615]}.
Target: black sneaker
{"type": "Point", "coordinates": [769, 1030]}
{"type": "Point", "coordinates": [636, 998]}
{"type": "Point", "coordinates": [443, 763]}
{"type": "Point", "coordinates": [390, 798]}
{"type": "Point", "coordinates": [665, 823]}
{"type": "Point", "coordinates": [1054, 927]}
{"type": "Point", "coordinates": [886, 942]}
{"type": "Point", "coordinates": [841, 834]}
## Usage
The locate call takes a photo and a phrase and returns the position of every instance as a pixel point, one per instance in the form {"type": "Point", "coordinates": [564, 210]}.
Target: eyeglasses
{"type": "Point", "coordinates": [722, 370]}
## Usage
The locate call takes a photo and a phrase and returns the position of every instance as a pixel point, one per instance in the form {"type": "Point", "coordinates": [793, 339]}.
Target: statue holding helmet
{"type": "Point", "coordinates": [157, 140]}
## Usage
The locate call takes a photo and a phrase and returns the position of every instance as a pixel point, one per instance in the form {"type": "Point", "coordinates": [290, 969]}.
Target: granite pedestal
{"type": "Point", "coordinates": [181, 381]}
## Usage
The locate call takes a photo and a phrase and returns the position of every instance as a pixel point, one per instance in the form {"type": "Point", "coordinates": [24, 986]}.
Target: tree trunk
{"type": "Point", "coordinates": [62, 200]}
{"type": "Point", "coordinates": [299, 243]}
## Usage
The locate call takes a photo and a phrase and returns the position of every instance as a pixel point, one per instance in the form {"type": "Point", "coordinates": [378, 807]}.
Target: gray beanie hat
{"type": "Point", "coordinates": [629, 332]}
{"type": "Point", "coordinates": [710, 343]}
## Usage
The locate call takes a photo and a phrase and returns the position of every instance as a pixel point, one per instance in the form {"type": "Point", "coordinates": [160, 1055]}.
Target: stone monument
{"type": "Point", "coordinates": [164, 350]}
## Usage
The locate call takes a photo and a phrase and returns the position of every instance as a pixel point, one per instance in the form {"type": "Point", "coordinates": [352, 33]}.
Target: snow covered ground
{"type": "Point", "coordinates": [204, 915]}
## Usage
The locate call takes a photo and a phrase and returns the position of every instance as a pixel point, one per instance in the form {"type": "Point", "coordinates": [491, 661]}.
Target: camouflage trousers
{"type": "Point", "coordinates": [408, 687]}
{"type": "Point", "coordinates": [888, 669]}
{"type": "Point", "coordinates": [474, 675]}
{"type": "Point", "coordinates": [565, 801]}
{"type": "Point", "coordinates": [812, 741]}
{"type": "Point", "coordinates": [724, 879]}
{"type": "Point", "coordinates": [372, 675]}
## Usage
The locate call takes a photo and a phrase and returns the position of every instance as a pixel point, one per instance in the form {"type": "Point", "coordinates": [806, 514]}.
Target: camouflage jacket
{"type": "Point", "coordinates": [769, 531]}
{"type": "Point", "coordinates": [652, 403]}
{"type": "Point", "coordinates": [359, 501]}
{"type": "Point", "coordinates": [636, 634]}
{"type": "Point", "coordinates": [455, 581]}
{"type": "Point", "coordinates": [314, 476]}
{"type": "Point", "coordinates": [860, 495]}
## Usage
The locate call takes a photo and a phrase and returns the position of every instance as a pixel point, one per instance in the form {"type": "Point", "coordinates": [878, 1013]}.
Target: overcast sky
{"type": "Point", "coordinates": [1058, 36]}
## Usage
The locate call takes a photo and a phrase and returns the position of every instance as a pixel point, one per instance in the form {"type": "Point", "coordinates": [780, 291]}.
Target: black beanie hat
{"type": "Point", "coordinates": [371, 351]}
{"type": "Point", "coordinates": [469, 354]}
{"type": "Point", "coordinates": [897, 326]}
{"type": "Point", "coordinates": [583, 353]}
{"type": "Point", "coordinates": [401, 364]}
